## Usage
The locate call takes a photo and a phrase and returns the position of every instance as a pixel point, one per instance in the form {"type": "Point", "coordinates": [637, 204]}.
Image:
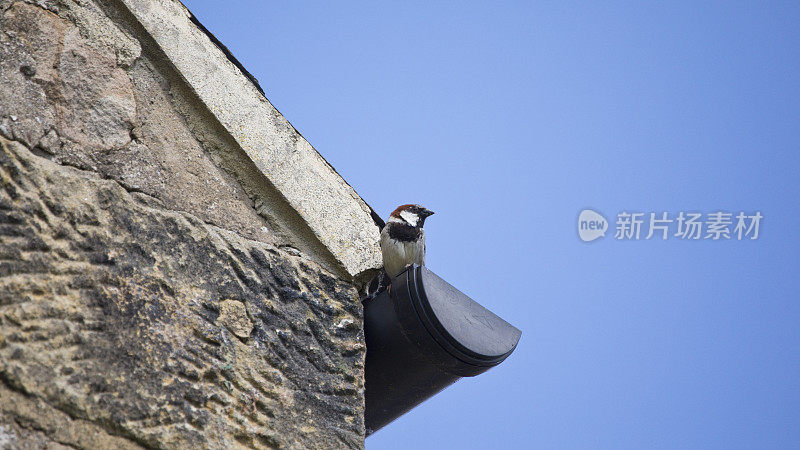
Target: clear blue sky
{"type": "Point", "coordinates": [507, 119]}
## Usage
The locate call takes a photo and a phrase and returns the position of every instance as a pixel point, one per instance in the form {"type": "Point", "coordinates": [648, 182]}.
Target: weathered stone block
{"type": "Point", "coordinates": [154, 327]}
{"type": "Point", "coordinates": [150, 293]}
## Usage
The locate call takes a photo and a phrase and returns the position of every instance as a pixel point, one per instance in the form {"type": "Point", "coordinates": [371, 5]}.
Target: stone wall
{"type": "Point", "coordinates": [146, 300]}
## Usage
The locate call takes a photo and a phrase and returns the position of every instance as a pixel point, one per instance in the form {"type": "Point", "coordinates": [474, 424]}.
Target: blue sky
{"type": "Point", "coordinates": [507, 119]}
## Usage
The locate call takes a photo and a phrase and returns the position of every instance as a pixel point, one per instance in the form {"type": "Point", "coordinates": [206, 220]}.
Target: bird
{"type": "Point", "coordinates": [403, 239]}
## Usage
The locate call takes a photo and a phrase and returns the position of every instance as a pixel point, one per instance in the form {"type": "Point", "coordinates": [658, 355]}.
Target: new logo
{"type": "Point", "coordinates": [591, 225]}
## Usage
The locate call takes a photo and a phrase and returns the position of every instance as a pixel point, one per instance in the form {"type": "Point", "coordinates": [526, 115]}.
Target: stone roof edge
{"type": "Point", "coordinates": [345, 226]}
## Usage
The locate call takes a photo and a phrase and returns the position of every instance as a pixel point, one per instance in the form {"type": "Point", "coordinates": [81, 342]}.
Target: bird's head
{"type": "Point", "coordinates": [413, 215]}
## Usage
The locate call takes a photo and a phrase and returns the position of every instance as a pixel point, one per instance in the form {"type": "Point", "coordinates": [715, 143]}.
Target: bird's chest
{"type": "Point", "coordinates": [403, 251]}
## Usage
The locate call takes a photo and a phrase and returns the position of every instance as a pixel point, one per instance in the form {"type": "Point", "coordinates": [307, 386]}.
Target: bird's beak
{"type": "Point", "coordinates": [427, 213]}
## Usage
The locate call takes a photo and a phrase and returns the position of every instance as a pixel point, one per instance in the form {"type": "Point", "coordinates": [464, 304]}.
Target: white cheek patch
{"type": "Point", "coordinates": [409, 217]}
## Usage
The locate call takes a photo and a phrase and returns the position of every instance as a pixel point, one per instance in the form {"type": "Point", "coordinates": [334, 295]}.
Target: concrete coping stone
{"type": "Point", "coordinates": [342, 222]}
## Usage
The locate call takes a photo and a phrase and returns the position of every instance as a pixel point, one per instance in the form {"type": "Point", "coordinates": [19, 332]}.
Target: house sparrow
{"type": "Point", "coordinates": [403, 239]}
